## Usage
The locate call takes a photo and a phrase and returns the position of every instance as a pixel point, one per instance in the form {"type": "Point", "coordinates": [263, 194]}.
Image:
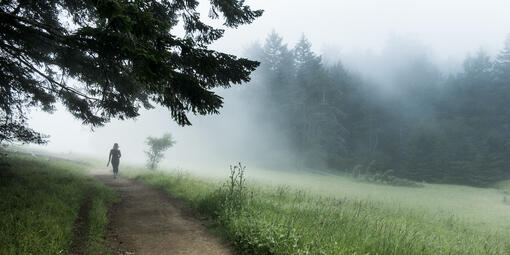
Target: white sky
{"type": "Point", "coordinates": [450, 28]}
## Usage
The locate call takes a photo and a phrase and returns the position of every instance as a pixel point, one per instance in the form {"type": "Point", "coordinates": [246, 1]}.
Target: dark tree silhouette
{"type": "Point", "coordinates": [107, 59]}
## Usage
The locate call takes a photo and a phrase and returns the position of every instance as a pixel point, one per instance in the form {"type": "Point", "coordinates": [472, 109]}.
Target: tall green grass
{"type": "Point", "coordinates": [39, 204]}
{"type": "Point", "coordinates": [283, 220]}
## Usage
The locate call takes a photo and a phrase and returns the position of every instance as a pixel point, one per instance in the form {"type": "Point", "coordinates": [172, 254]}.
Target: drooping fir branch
{"type": "Point", "coordinates": [120, 56]}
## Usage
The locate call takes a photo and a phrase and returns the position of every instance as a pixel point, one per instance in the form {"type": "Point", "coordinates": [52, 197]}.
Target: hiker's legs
{"type": "Point", "coordinates": [115, 170]}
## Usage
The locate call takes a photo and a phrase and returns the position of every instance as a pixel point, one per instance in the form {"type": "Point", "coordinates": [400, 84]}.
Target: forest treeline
{"type": "Point", "coordinates": [431, 126]}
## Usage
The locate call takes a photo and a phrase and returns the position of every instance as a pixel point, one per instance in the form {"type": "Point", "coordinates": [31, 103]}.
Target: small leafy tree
{"type": "Point", "coordinates": [157, 147]}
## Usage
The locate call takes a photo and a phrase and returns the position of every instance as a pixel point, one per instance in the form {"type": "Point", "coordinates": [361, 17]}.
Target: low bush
{"type": "Point", "coordinates": [387, 178]}
{"type": "Point", "coordinates": [365, 174]}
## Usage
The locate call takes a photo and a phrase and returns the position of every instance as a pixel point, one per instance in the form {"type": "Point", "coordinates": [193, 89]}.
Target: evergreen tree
{"type": "Point", "coordinates": [319, 117]}
{"type": "Point", "coordinates": [278, 67]}
{"type": "Point", "coordinates": [108, 58]}
{"type": "Point", "coordinates": [309, 73]}
{"type": "Point", "coordinates": [478, 68]}
{"type": "Point", "coordinates": [502, 65]}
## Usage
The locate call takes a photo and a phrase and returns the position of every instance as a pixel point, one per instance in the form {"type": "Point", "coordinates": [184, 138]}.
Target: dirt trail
{"type": "Point", "coordinates": [145, 221]}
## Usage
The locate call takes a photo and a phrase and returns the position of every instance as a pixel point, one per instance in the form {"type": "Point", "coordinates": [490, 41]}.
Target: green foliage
{"type": "Point", "coordinates": [279, 220]}
{"type": "Point", "coordinates": [157, 147]}
{"type": "Point", "coordinates": [107, 59]}
{"type": "Point", "coordinates": [39, 205]}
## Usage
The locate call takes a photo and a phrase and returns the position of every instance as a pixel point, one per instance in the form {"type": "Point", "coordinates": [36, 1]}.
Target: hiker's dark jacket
{"type": "Point", "coordinates": [115, 156]}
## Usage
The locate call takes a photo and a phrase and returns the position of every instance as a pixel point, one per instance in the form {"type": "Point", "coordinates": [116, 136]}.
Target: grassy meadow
{"type": "Point", "coordinates": [40, 201]}
{"type": "Point", "coordinates": [300, 213]}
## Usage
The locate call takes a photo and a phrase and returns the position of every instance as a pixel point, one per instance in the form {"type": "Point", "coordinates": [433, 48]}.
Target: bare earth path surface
{"type": "Point", "coordinates": [146, 221]}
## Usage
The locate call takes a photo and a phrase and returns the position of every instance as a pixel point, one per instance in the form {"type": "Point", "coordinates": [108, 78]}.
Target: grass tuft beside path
{"type": "Point", "coordinates": [40, 200]}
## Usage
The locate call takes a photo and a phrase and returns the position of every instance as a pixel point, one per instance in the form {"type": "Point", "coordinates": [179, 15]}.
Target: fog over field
{"type": "Point", "coordinates": [369, 37]}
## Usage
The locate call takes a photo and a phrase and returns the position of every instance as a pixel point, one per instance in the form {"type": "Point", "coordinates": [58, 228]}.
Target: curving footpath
{"type": "Point", "coordinates": [146, 221]}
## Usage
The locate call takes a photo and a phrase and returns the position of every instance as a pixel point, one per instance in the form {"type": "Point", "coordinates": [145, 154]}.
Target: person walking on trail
{"type": "Point", "coordinates": [114, 158]}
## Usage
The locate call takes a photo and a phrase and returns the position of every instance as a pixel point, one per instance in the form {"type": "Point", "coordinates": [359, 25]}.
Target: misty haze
{"type": "Point", "coordinates": [255, 127]}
